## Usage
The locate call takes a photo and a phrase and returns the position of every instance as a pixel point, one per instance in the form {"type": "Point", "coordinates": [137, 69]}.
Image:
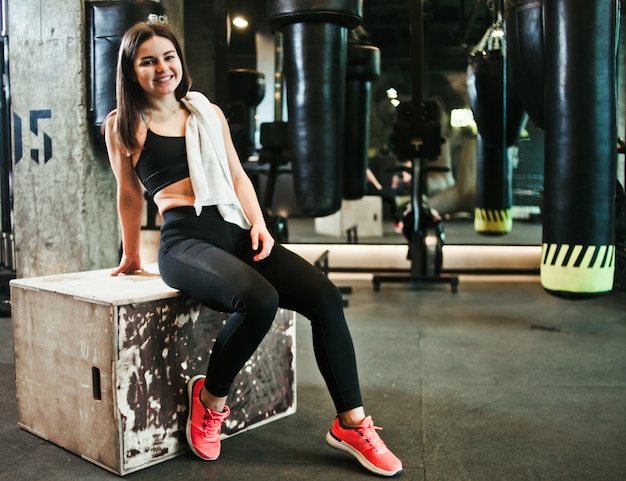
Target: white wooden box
{"type": "Point", "coordinates": [364, 213]}
{"type": "Point", "coordinates": [102, 364]}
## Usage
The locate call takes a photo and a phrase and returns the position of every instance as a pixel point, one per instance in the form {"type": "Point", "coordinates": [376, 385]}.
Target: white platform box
{"type": "Point", "coordinates": [365, 213]}
{"type": "Point", "coordinates": [102, 364]}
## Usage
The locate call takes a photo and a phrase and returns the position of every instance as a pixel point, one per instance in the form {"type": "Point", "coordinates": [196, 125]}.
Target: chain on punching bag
{"type": "Point", "coordinates": [525, 56]}
{"type": "Point", "coordinates": [499, 116]}
{"type": "Point", "coordinates": [363, 67]}
{"type": "Point", "coordinates": [578, 251]}
{"type": "Point", "coordinates": [315, 35]}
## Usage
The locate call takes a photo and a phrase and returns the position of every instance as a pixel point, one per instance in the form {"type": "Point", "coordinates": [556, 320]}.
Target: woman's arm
{"type": "Point", "coordinates": [261, 238]}
{"type": "Point", "coordinates": [129, 201]}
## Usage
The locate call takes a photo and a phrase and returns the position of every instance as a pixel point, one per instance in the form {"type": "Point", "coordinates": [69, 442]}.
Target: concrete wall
{"type": "Point", "coordinates": [64, 191]}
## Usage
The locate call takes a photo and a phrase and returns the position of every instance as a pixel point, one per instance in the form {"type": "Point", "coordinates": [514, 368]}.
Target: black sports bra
{"type": "Point", "coordinates": [162, 162]}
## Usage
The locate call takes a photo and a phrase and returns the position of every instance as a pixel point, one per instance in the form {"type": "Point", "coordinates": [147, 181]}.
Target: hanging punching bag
{"type": "Point", "coordinates": [578, 253]}
{"type": "Point", "coordinates": [524, 47]}
{"type": "Point", "coordinates": [246, 90]}
{"type": "Point", "coordinates": [107, 21]}
{"type": "Point", "coordinates": [363, 67]}
{"type": "Point", "coordinates": [494, 197]}
{"type": "Point", "coordinates": [499, 115]}
{"type": "Point", "coordinates": [315, 35]}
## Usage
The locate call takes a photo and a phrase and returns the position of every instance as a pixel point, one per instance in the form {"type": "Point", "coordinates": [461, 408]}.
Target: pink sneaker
{"type": "Point", "coordinates": [365, 445]}
{"type": "Point", "coordinates": [203, 425]}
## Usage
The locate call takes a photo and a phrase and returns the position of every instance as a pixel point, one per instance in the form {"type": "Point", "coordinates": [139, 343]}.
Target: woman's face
{"type": "Point", "coordinates": [157, 67]}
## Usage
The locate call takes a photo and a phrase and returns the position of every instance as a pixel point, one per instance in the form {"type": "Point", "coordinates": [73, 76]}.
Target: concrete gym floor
{"type": "Point", "coordinates": [498, 382]}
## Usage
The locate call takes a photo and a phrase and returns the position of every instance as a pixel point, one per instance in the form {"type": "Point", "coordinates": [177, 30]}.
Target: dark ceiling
{"type": "Point", "coordinates": [451, 27]}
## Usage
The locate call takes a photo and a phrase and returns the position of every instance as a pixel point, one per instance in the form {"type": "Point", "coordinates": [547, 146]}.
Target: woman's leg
{"type": "Point", "coordinates": [388, 198]}
{"type": "Point", "coordinates": [221, 281]}
{"type": "Point", "coordinates": [304, 289]}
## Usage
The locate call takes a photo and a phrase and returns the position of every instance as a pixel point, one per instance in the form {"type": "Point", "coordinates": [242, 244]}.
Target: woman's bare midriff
{"type": "Point", "coordinates": [179, 194]}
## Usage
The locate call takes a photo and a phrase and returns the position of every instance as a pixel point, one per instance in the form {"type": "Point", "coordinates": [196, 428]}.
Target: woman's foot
{"type": "Point", "coordinates": [364, 443]}
{"type": "Point", "coordinates": [204, 425]}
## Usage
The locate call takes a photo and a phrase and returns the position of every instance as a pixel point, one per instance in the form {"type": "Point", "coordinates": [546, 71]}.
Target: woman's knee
{"type": "Point", "coordinates": [326, 297]}
{"type": "Point", "coordinates": [260, 302]}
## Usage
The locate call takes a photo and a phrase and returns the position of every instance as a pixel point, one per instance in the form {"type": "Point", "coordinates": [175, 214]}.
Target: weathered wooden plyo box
{"type": "Point", "coordinates": [102, 364]}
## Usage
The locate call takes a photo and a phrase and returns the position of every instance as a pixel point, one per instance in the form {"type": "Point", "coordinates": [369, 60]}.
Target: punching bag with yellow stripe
{"type": "Point", "coordinates": [499, 116]}
{"type": "Point", "coordinates": [578, 254]}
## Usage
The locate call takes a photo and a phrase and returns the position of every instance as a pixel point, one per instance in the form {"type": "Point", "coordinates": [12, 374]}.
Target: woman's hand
{"type": "Point", "coordinates": [262, 241]}
{"type": "Point", "coordinates": [128, 265]}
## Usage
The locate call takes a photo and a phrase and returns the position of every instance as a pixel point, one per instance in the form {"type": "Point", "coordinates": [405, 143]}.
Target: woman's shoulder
{"type": "Point", "coordinates": [111, 130]}
{"type": "Point", "coordinates": [197, 102]}
{"type": "Point", "coordinates": [109, 121]}
{"type": "Point", "coordinates": [196, 95]}
{"type": "Point", "coordinates": [199, 99]}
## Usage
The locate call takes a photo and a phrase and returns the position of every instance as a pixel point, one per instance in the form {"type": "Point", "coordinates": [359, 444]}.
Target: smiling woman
{"type": "Point", "coordinates": [215, 246]}
{"type": "Point", "coordinates": [157, 67]}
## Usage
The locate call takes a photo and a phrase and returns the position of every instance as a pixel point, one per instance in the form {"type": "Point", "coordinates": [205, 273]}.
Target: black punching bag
{"type": "Point", "coordinates": [107, 21]}
{"type": "Point", "coordinates": [246, 89]}
{"type": "Point", "coordinates": [499, 115]}
{"type": "Point", "coordinates": [525, 55]}
{"type": "Point", "coordinates": [578, 251]}
{"type": "Point", "coordinates": [363, 67]}
{"type": "Point", "coordinates": [315, 34]}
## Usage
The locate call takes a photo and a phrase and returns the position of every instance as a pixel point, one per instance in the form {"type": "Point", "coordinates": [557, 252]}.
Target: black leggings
{"type": "Point", "coordinates": [210, 260]}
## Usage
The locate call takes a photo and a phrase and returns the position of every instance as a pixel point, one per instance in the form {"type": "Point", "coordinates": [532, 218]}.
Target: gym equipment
{"type": "Point", "coordinates": [107, 21]}
{"type": "Point", "coordinates": [246, 91]}
{"type": "Point", "coordinates": [274, 139]}
{"type": "Point", "coordinates": [7, 239]}
{"type": "Point", "coordinates": [494, 195]}
{"type": "Point", "coordinates": [525, 55]}
{"type": "Point", "coordinates": [499, 116]}
{"type": "Point", "coordinates": [620, 239]}
{"type": "Point", "coordinates": [363, 68]}
{"type": "Point", "coordinates": [421, 132]}
{"type": "Point", "coordinates": [315, 42]}
{"type": "Point", "coordinates": [578, 252]}
{"type": "Point", "coordinates": [274, 153]}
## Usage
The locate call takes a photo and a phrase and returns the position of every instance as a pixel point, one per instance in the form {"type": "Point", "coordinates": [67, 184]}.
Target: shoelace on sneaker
{"type": "Point", "coordinates": [367, 431]}
{"type": "Point", "coordinates": [211, 427]}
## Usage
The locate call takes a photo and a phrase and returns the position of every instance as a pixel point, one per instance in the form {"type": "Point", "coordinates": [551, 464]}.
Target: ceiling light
{"type": "Point", "coordinates": [392, 93]}
{"type": "Point", "coordinates": [462, 118]}
{"type": "Point", "coordinates": [240, 21]}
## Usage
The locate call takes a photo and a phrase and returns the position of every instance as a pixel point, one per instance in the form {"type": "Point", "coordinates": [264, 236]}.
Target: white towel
{"type": "Point", "coordinates": [208, 163]}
